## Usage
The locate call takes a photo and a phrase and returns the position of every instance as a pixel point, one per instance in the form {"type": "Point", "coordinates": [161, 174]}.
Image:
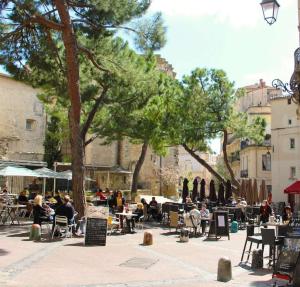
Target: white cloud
{"type": "Point", "coordinates": [237, 13]}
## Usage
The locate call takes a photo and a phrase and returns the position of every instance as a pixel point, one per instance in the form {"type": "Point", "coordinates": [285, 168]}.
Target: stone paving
{"type": "Point", "coordinates": [123, 262]}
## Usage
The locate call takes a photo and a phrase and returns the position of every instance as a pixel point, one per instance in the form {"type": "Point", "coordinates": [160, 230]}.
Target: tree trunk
{"type": "Point", "coordinates": [76, 141]}
{"type": "Point", "coordinates": [204, 163]}
{"type": "Point", "coordinates": [138, 167]}
{"type": "Point", "coordinates": [225, 156]}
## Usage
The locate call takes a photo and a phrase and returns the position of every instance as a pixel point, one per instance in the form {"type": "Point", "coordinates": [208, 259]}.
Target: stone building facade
{"type": "Point", "coordinates": [285, 147]}
{"type": "Point", "coordinates": [247, 159]}
{"type": "Point", "coordinates": [22, 121]}
{"type": "Point", "coordinates": [190, 168]}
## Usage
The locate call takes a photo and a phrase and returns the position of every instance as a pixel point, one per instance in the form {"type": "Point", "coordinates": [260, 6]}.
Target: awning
{"type": "Point", "coordinates": [17, 171]}
{"type": "Point", "coordinates": [48, 173]}
{"type": "Point", "coordinates": [68, 175]}
{"type": "Point", "coordinates": [293, 188]}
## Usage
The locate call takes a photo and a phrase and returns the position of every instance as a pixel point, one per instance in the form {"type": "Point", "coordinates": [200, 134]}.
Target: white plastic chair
{"type": "Point", "coordinates": [61, 223]}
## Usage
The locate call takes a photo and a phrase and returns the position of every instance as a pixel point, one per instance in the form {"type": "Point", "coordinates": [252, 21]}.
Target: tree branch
{"type": "Point", "coordinates": [225, 156]}
{"type": "Point", "coordinates": [91, 57]}
{"type": "Point", "coordinates": [90, 140]}
{"type": "Point", "coordinates": [93, 112]}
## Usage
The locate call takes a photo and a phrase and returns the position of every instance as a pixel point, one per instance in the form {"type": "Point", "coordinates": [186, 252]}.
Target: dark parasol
{"type": "Point", "coordinates": [228, 191]}
{"type": "Point", "coordinates": [185, 190]}
{"type": "Point", "coordinates": [195, 189]}
{"type": "Point", "coordinates": [221, 193]}
{"type": "Point", "coordinates": [212, 191]}
{"type": "Point", "coordinates": [202, 189]}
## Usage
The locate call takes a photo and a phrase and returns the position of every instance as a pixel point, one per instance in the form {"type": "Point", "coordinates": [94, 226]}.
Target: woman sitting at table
{"type": "Point", "coordinates": [22, 199]}
{"type": "Point", "coordinates": [139, 211]}
{"type": "Point", "coordinates": [41, 213]}
{"type": "Point", "coordinates": [265, 211]}
{"type": "Point", "coordinates": [287, 214]}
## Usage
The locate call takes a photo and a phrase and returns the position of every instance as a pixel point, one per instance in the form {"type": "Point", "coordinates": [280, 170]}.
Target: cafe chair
{"type": "Point", "coordinates": [269, 238]}
{"type": "Point", "coordinates": [61, 224]}
{"type": "Point", "coordinates": [174, 220]}
{"type": "Point", "coordinates": [191, 223]}
{"type": "Point", "coordinates": [282, 231]}
{"type": "Point", "coordinates": [3, 214]}
{"type": "Point", "coordinates": [250, 237]}
{"type": "Point", "coordinates": [112, 224]}
{"type": "Point", "coordinates": [286, 264]}
{"type": "Point", "coordinates": [140, 223]}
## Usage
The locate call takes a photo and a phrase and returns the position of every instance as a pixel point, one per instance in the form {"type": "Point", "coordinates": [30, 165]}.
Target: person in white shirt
{"type": "Point", "coordinates": [204, 213]}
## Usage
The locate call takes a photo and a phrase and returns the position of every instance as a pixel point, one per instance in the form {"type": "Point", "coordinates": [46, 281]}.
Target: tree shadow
{"type": "Point", "coordinates": [3, 252]}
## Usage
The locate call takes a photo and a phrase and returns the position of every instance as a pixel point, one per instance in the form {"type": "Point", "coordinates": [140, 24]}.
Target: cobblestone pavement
{"type": "Point", "coordinates": [123, 262]}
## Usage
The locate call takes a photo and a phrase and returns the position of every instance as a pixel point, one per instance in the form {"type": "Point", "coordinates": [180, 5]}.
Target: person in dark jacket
{"type": "Point", "coordinates": [265, 211]}
{"type": "Point", "coordinates": [66, 209]}
{"type": "Point", "coordinates": [41, 213]}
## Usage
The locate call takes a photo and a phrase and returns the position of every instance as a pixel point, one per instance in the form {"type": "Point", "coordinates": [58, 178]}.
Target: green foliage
{"type": "Point", "coordinates": [53, 142]}
{"type": "Point", "coordinates": [141, 122]}
{"type": "Point", "coordinates": [243, 127]}
{"type": "Point", "coordinates": [201, 109]}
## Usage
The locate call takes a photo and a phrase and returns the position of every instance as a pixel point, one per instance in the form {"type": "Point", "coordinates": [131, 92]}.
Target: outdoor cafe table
{"type": "Point", "coordinates": [273, 224]}
{"type": "Point", "coordinates": [125, 214]}
{"type": "Point", "coordinates": [12, 212]}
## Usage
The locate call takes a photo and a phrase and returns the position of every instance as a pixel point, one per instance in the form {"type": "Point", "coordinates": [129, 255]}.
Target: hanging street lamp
{"type": "Point", "coordinates": [270, 10]}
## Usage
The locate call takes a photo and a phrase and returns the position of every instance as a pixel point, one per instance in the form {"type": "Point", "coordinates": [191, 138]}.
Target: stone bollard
{"type": "Point", "coordinates": [35, 232]}
{"type": "Point", "coordinates": [257, 259]}
{"type": "Point", "coordinates": [148, 238]}
{"type": "Point", "coordinates": [184, 235]}
{"type": "Point", "coordinates": [224, 270]}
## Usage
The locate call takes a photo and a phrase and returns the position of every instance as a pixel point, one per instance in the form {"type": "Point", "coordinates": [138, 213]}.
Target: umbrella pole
{"type": "Point", "coordinates": [44, 187]}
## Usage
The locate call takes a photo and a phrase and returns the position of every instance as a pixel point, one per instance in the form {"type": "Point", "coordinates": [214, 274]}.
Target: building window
{"type": "Point", "coordinates": [289, 101]}
{"type": "Point", "coordinates": [292, 143]}
{"type": "Point", "coordinates": [290, 122]}
{"type": "Point", "coordinates": [30, 124]}
{"type": "Point", "coordinates": [292, 172]}
{"type": "Point", "coordinates": [124, 179]}
{"type": "Point", "coordinates": [266, 162]}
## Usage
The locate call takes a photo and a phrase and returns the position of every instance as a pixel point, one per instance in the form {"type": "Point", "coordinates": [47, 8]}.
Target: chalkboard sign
{"type": "Point", "coordinates": [219, 225]}
{"type": "Point", "coordinates": [96, 229]}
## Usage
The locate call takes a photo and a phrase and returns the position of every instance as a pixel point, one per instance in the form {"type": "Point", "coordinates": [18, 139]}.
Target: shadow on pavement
{"type": "Point", "coordinates": [3, 252]}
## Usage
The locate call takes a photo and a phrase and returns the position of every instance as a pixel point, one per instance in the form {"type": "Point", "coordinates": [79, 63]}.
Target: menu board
{"type": "Point", "coordinates": [219, 225]}
{"type": "Point", "coordinates": [97, 212]}
{"type": "Point", "coordinates": [96, 230]}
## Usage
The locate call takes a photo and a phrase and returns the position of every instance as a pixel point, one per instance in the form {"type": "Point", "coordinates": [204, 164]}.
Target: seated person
{"type": "Point", "coordinates": [41, 213]}
{"type": "Point", "coordinates": [196, 215]}
{"type": "Point", "coordinates": [139, 211]}
{"type": "Point", "coordinates": [153, 208]}
{"type": "Point", "coordinates": [188, 200]}
{"type": "Point", "coordinates": [100, 194]}
{"type": "Point", "coordinates": [204, 213]}
{"type": "Point", "coordinates": [58, 199]}
{"type": "Point", "coordinates": [265, 211]}
{"type": "Point", "coordinates": [66, 209]}
{"type": "Point", "coordinates": [287, 214]}
{"type": "Point", "coordinates": [22, 199]}
{"type": "Point", "coordinates": [4, 194]}
{"type": "Point", "coordinates": [145, 204]}
{"type": "Point", "coordinates": [242, 204]}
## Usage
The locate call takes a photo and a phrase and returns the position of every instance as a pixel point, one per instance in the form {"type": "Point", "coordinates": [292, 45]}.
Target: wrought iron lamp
{"type": "Point", "coordinates": [270, 12]}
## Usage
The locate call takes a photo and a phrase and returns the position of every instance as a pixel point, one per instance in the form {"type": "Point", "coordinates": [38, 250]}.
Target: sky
{"type": "Point", "coordinates": [230, 35]}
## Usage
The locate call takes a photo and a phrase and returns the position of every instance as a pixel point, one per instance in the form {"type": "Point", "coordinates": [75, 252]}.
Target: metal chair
{"type": "Point", "coordinates": [112, 223]}
{"type": "Point", "coordinates": [61, 224]}
{"type": "Point", "coordinates": [256, 239]}
{"type": "Point", "coordinates": [140, 223]}
{"type": "Point", "coordinates": [269, 238]}
{"type": "Point", "coordinates": [174, 220]}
